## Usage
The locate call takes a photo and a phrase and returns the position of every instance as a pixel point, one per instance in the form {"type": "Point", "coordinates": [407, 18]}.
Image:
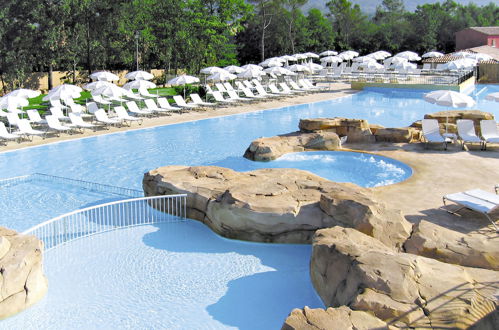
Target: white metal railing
{"type": "Point", "coordinates": [110, 216]}
{"type": "Point", "coordinates": [92, 186]}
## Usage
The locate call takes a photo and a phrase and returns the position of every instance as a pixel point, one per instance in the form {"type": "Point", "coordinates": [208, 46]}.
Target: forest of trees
{"type": "Point", "coordinates": [87, 35]}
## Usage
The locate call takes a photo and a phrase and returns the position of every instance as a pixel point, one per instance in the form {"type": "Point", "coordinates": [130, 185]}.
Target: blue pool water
{"type": "Point", "coordinates": [170, 276]}
{"type": "Point", "coordinates": [121, 159]}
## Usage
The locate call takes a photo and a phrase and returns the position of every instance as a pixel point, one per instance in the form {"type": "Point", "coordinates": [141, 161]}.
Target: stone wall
{"type": "Point", "coordinates": [22, 281]}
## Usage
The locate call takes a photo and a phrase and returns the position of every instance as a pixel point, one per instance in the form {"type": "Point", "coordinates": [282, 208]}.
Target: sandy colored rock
{"type": "Point", "coordinates": [341, 318]}
{"type": "Point", "coordinates": [266, 149]}
{"type": "Point", "coordinates": [449, 118]}
{"type": "Point", "coordinates": [353, 269]}
{"type": "Point", "coordinates": [397, 135]}
{"type": "Point", "coordinates": [472, 250]}
{"type": "Point", "coordinates": [22, 282]}
{"type": "Point", "coordinates": [357, 130]}
{"type": "Point", "coordinates": [275, 205]}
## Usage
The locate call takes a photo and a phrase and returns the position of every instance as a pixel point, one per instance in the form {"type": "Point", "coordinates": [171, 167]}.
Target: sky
{"type": "Point", "coordinates": [369, 6]}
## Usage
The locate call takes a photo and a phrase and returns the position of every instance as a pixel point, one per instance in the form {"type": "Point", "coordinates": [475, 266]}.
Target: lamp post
{"type": "Point", "coordinates": [137, 48]}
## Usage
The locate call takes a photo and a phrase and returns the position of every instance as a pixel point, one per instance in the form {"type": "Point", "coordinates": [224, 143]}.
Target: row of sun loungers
{"type": "Point", "coordinates": [465, 133]}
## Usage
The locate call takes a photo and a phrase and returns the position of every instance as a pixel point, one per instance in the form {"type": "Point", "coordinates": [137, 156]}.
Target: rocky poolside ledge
{"type": "Point", "coordinates": [22, 281]}
{"type": "Point", "coordinates": [366, 256]}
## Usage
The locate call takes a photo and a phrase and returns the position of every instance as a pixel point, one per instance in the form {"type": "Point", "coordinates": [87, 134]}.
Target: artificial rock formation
{"type": "Point", "coordinates": [341, 318]}
{"type": "Point", "coordinates": [22, 282]}
{"type": "Point", "coordinates": [436, 242]}
{"type": "Point", "coordinates": [276, 205]}
{"type": "Point", "coordinates": [353, 269]}
{"type": "Point", "coordinates": [266, 149]}
{"type": "Point", "coordinates": [448, 119]}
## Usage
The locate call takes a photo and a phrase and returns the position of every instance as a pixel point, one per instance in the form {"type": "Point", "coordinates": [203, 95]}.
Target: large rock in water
{"type": "Point", "coordinates": [276, 205]}
{"type": "Point", "coordinates": [353, 269]}
{"type": "Point", "coordinates": [266, 149]}
{"type": "Point", "coordinates": [472, 250]}
{"type": "Point", "coordinates": [22, 282]}
{"type": "Point", "coordinates": [342, 318]}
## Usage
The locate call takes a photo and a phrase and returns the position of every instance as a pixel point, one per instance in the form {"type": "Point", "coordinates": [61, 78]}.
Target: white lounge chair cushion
{"type": "Point", "coordinates": [476, 199]}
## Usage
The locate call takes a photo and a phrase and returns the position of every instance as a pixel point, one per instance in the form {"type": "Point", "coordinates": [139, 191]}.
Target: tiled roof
{"type": "Point", "coordinates": [492, 51]}
{"type": "Point", "coordinates": [488, 30]}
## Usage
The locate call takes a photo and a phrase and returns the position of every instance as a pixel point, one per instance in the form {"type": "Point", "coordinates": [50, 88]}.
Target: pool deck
{"type": "Point", "coordinates": [436, 172]}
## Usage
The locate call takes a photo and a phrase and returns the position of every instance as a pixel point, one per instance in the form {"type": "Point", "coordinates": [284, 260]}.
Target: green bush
{"type": "Point", "coordinates": [189, 89]}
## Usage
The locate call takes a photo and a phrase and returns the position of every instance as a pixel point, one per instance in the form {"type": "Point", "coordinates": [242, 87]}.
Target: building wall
{"type": "Point", "coordinates": [469, 38]}
{"type": "Point", "coordinates": [493, 41]}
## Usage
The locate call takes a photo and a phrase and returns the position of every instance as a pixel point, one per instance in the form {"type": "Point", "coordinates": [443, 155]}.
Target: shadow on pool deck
{"type": "Point", "coordinates": [258, 301]}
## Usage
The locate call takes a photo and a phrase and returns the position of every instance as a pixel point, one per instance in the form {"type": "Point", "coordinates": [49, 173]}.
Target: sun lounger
{"type": "Point", "coordinates": [477, 200]}
{"type": "Point", "coordinates": [5, 135]}
{"type": "Point", "coordinates": [125, 117]}
{"type": "Point", "coordinates": [249, 94]}
{"type": "Point", "coordinates": [229, 87]}
{"type": "Point", "coordinates": [57, 112]}
{"type": "Point", "coordinates": [179, 101]}
{"type": "Point", "coordinates": [220, 88]}
{"type": "Point", "coordinates": [273, 88]}
{"type": "Point", "coordinates": [431, 133]}
{"type": "Point", "coordinates": [164, 104]}
{"type": "Point", "coordinates": [286, 89]}
{"type": "Point", "coordinates": [35, 118]}
{"type": "Point", "coordinates": [144, 92]}
{"type": "Point", "coordinates": [55, 125]}
{"type": "Point", "coordinates": [262, 92]}
{"type": "Point", "coordinates": [133, 107]}
{"type": "Point", "coordinates": [78, 122]}
{"type": "Point", "coordinates": [102, 118]}
{"type": "Point", "coordinates": [99, 99]}
{"type": "Point", "coordinates": [233, 96]}
{"type": "Point", "coordinates": [490, 133]}
{"type": "Point", "coordinates": [152, 106]}
{"type": "Point", "coordinates": [219, 98]}
{"type": "Point", "coordinates": [196, 99]}
{"type": "Point", "coordinates": [466, 132]}
{"type": "Point", "coordinates": [25, 130]}
{"type": "Point", "coordinates": [295, 87]}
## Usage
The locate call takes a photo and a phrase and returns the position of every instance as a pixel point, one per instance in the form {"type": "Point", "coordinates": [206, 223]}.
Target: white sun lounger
{"type": "Point", "coordinates": [431, 133]}
{"type": "Point", "coordinates": [134, 108]}
{"type": "Point", "coordinates": [490, 133]}
{"type": "Point", "coordinates": [219, 98]}
{"type": "Point", "coordinates": [144, 92]}
{"type": "Point", "coordinates": [25, 130]}
{"type": "Point", "coordinates": [152, 106]}
{"type": "Point", "coordinates": [262, 92]}
{"type": "Point", "coordinates": [233, 96]}
{"type": "Point", "coordinates": [164, 104]}
{"type": "Point", "coordinates": [13, 119]}
{"type": "Point", "coordinates": [196, 99]}
{"type": "Point", "coordinates": [57, 112]}
{"type": "Point", "coordinates": [78, 122]}
{"type": "Point", "coordinates": [477, 200]}
{"type": "Point", "coordinates": [55, 125]}
{"type": "Point", "coordinates": [249, 94]}
{"type": "Point", "coordinates": [35, 118]}
{"type": "Point", "coordinates": [466, 132]}
{"type": "Point", "coordinates": [273, 88]}
{"type": "Point", "coordinates": [125, 117]}
{"type": "Point", "coordinates": [102, 118]}
{"type": "Point", "coordinates": [179, 101]}
{"type": "Point", "coordinates": [5, 135]}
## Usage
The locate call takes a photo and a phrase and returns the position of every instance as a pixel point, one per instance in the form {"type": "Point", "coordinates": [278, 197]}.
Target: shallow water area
{"type": "Point", "coordinates": [170, 276]}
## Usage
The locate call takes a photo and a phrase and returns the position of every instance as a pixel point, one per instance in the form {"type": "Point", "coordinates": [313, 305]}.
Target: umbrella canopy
{"type": "Point", "coordinates": [12, 102]}
{"type": "Point", "coordinates": [24, 93]}
{"type": "Point", "coordinates": [493, 97]}
{"type": "Point", "coordinates": [211, 70]}
{"type": "Point", "coordinates": [300, 56]}
{"type": "Point", "coordinates": [449, 99]}
{"type": "Point", "coordinates": [252, 67]}
{"type": "Point", "coordinates": [463, 63]}
{"type": "Point", "coordinates": [96, 84]}
{"type": "Point", "coordinates": [314, 67]}
{"type": "Point", "coordinates": [221, 76]}
{"type": "Point", "coordinates": [432, 54]}
{"type": "Point", "coordinates": [233, 69]}
{"type": "Point", "coordinates": [331, 59]}
{"type": "Point", "coordinates": [139, 75]}
{"type": "Point", "coordinates": [461, 54]}
{"type": "Point", "coordinates": [251, 73]}
{"type": "Point", "coordinates": [371, 65]}
{"type": "Point", "coordinates": [480, 57]}
{"type": "Point", "coordinates": [311, 55]}
{"type": "Point", "coordinates": [383, 53]}
{"type": "Point", "coordinates": [404, 66]}
{"type": "Point", "coordinates": [348, 54]}
{"type": "Point", "coordinates": [280, 71]}
{"type": "Point", "coordinates": [104, 76]}
{"type": "Point", "coordinates": [363, 59]}
{"type": "Point", "coordinates": [183, 80]}
{"type": "Point", "coordinates": [288, 58]}
{"type": "Point", "coordinates": [392, 61]}
{"type": "Point", "coordinates": [110, 91]}
{"type": "Point", "coordinates": [63, 91]}
{"type": "Point", "coordinates": [299, 68]}
{"type": "Point", "coordinates": [139, 84]}
{"type": "Point", "coordinates": [411, 56]}
{"type": "Point", "coordinates": [271, 62]}
{"type": "Point", "coordinates": [328, 53]}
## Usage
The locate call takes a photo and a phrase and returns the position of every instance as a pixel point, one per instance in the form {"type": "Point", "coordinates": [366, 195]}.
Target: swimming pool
{"type": "Point", "coordinates": [121, 159]}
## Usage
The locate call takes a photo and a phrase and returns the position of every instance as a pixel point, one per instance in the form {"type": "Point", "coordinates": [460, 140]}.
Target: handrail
{"type": "Point", "coordinates": [109, 216]}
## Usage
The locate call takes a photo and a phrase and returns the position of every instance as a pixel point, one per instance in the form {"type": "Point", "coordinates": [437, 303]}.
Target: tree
{"type": "Point", "coordinates": [293, 7]}
{"type": "Point", "coordinates": [348, 21]}
{"type": "Point", "coordinates": [320, 31]}
{"type": "Point", "coordinates": [265, 10]}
